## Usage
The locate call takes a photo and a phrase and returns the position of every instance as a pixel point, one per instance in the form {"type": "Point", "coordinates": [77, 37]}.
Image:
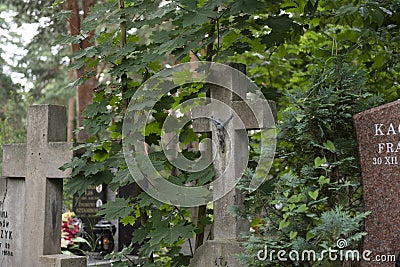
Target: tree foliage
{"type": "Point", "coordinates": [134, 41]}
{"type": "Point", "coordinates": [43, 63]}
{"type": "Point", "coordinates": [13, 100]}
{"type": "Point", "coordinates": [283, 43]}
{"type": "Point", "coordinates": [315, 198]}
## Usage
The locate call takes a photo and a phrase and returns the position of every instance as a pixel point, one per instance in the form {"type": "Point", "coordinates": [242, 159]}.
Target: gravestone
{"type": "Point", "coordinates": [378, 136]}
{"type": "Point", "coordinates": [31, 193]}
{"type": "Point", "coordinates": [86, 208]}
{"type": "Point", "coordinates": [230, 159]}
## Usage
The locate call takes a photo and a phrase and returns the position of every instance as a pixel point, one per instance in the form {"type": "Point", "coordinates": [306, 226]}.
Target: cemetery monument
{"type": "Point", "coordinates": [378, 135]}
{"type": "Point", "coordinates": [230, 159]}
{"type": "Point", "coordinates": [31, 193]}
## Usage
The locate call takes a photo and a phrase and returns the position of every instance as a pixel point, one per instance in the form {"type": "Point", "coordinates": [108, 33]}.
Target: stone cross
{"type": "Point", "coordinates": [230, 159]}
{"type": "Point", "coordinates": [378, 137]}
{"type": "Point", "coordinates": [32, 170]}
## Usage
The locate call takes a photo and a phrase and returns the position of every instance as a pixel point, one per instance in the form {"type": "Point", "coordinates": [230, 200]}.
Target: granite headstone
{"type": "Point", "coordinates": [86, 207]}
{"type": "Point", "coordinates": [378, 136]}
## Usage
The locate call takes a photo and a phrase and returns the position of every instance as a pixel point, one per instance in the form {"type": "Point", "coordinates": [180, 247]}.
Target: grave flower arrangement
{"type": "Point", "coordinates": [71, 230]}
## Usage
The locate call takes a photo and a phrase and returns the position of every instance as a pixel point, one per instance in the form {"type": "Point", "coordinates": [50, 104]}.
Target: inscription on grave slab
{"type": "Point", "coordinates": [11, 221]}
{"type": "Point", "coordinates": [378, 136]}
{"type": "Point", "coordinates": [86, 208]}
{"type": "Point", "coordinates": [90, 202]}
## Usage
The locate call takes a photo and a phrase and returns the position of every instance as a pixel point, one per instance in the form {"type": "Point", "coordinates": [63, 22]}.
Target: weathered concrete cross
{"type": "Point", "coordinates": [230, 158]}
{"type": "Point", "coordinates": [38, 161]}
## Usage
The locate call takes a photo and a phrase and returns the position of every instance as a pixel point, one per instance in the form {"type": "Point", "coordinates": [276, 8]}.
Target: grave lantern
{"type": "Point", "coordinates": [104, 234]}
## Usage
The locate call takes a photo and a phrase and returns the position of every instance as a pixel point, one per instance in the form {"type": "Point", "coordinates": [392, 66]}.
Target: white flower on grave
{"type": "Point", "coordinates": [64, 241]}
{"type": "Point", "coordinates": [279, 206]}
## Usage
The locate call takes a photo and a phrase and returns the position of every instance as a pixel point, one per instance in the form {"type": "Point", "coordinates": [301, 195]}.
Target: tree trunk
{"type": "Point", "coordinates": [71, 117]}
{"type": "Point", "coordinates": [74, 26]}
{"type": "Point", "coordinates": [84, 92]}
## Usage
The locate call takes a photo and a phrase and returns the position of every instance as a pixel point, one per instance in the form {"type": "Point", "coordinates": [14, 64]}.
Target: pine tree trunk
{"type": "Point", "coordinates": [84, 92]}
{"type": "Point", "coordinates": [71, 117]}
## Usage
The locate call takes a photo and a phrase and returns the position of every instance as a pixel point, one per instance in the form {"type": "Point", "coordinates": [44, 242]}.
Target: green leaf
{"type": "Point", "coordinates": [94, 108]}
{"type": "Point", "coordinates": [292, 206]}
{"type": "Point", "coordinates": [283, 224]}
{"type": "Point", "coordinates": [140, 235]}
{"type": "Point", "coordinates": [295, 198]}
{"type": "Point", "coordinates": [248, 6]}
{"type": "Point", "coordinates": [93, 168]}
{"type": "Point", "coordinates": [377, 15]}
{"type": "Point", "coordinates": [281, 52]}
{"type": "Point", "coordinates": [347, 10]}
{"type": "Point", "coordinates": [79, 239]}
{"type": "Point", "coordinates": [77, 64]}
{"type": "Point", "coordinates": [302, 208]}
{"type": "Point", "coordinates": [77, 82]}
{"type": "Point", "coordinates": [379, 60]}
{"type": "Point", "coordinates": [79, 183]}
{"type": "Point", "coordinates": [77, 164]}
{"type": "Point", "coordinates": [119, 208]}
{"type": "Point", "coordinates": [323, 180]}
{"type": "Point", "coordinates": [153, 127]}
{"type": "Point", "coordinates": [179, 231]}
{"type": "Point", "coordinates": [128, 220]}
{"type": "Point", "coordinates": [299, 117]}
{"type": "Point", "coordinates": [188, 4]}
{"type": "Point", "coordinates": [330, 146]}
{"type": "Point", "coordinates": [292, 235]}
{"type": "Point", "coordinates": [388, 12]}
{"type": "Point", "coordinates": [314, 195]}
{"type": "Point", "coordinates": [100, 155]}
{"type": "Point", "coordinates": [169, 235]}
{"type": "Point", "coordinates": [147, 201]}
{"type": "Point", "coordinates": [196, 18]}
{"type": "Point", "coordinates": [318, 162]}
{"type": "Point", "coordinates": [280, 27]}
{"type": "Point", "coordinates": [364, 12]}
{"type": "Point", "coordinates": [309, 235]}
{"type": "Point", "coordinates": [122, 177]}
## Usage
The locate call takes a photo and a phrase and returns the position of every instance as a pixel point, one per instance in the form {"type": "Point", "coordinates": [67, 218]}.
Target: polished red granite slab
{"type": "Point", "coordinates": [378, 136]}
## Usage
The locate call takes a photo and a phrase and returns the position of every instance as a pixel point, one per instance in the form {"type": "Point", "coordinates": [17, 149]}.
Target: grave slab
{"type": "Point", "coordinates": [378, 136]}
